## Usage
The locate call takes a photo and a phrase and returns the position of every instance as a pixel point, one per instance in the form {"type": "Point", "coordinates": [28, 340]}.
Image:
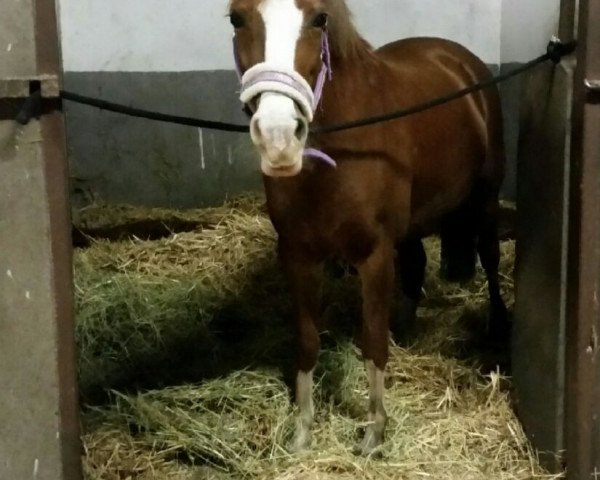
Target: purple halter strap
{"type": "Point", "coordinates": [325, 74]}
{"type": "Point", "coordinates": [319, 154]}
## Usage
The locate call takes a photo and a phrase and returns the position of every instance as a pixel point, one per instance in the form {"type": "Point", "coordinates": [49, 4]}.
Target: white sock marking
{"type": "Point", "coordinates": [377, 413]}
{"type": "Point", "coordinates": [306, 413]}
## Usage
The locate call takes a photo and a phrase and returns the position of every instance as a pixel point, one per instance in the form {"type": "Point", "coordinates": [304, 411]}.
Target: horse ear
{"type": "Point", "coordinates": [237, 21]}
{"type": "Point", "coordinates": [320, 21]}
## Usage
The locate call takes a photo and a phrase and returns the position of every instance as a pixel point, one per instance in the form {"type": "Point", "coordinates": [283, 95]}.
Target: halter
{"type": "Point", "coordinates": [263, 78]}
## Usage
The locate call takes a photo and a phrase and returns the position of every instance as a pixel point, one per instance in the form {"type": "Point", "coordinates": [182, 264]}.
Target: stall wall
{"type": "Point", "coordinates": [527, 27]}
{"type": "Point", "coordinates": [175, 57]}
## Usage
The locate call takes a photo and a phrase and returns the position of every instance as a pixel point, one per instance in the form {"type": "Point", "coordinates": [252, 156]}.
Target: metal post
{"type": "Point", "coordinates": [39, 424]}
{"type": "Point", "coordinates": [568, 23]}
{"type": "Point", "coordinates": [583, 325]}
{"type": "Point", "coordinates": [538, 361]}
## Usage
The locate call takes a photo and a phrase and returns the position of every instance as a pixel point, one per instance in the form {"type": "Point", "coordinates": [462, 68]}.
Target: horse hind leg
{"type": "Point", "coordinates": [488, 247]}
{"type": "Point", "coordinates": [459, 243]}
{"type": "Point", "coordinates": [469, 231]}
{"type": "Point", "coordinates": [487, 190]}
{"type": "Point", "coordinates": [411, 262]}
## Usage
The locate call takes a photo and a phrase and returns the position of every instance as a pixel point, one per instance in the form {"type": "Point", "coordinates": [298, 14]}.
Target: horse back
{"type": "Point", "coordinates": [457, 142]}
{"type": "Point", "coordinates": [429, 67]}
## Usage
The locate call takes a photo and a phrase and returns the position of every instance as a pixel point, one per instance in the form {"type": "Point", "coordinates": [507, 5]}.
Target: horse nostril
{"type": "Point", "coordinates": [255, 133]}
{"type": "Point", "coordinates": [301, 129]}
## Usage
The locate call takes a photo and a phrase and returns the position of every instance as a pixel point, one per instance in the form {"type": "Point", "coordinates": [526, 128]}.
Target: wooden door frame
{"type": "Point", "coordinates": [582, 426]}
{"type": "Point", "coordinates": [40, 398]}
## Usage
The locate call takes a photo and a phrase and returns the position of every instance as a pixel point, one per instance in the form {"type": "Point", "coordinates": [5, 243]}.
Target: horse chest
{"type": "Point", "coordinates": [327, 231]}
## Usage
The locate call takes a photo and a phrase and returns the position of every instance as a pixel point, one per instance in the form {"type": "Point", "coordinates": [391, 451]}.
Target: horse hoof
{"type": "Point", "coordinates": [362, 451]}
{"type": "Point", "coordinates": [300, 443]}
{"type": "Point", "coordinates": [369, 447]}
{"type": "Point", "coordinates": [500, 326]}
{"type": "Point", "coordinates": [500, 333]}
{"type": "Point", "coordinates": [294, 448]}
{"type": "Point", "coordinates": [404, 336]}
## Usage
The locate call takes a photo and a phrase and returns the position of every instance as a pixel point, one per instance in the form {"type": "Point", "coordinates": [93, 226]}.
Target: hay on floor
{"type": "Point", "coordinates": [138, 302]}
{"type": "Point", "coordinates": [203, 318]}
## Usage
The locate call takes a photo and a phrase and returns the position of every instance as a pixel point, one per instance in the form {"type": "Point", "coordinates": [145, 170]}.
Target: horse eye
{"type": "Point", "coordinates": [236, 20]}
{"type": "Point", "coordinates": [320, 21]}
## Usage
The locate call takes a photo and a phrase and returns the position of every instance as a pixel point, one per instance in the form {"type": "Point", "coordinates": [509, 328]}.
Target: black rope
{"type": "Point", "coordinates": [555, 51]}
{"type": "Point", "coordinates": [161, 117]}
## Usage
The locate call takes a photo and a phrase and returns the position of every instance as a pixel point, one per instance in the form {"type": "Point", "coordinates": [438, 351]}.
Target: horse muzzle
{"type": "Point", "coordinates": [286, 106]}
{"type": "Point", "coordinates": [279, 132]}
{"type": "Point", "coordinates": [279, 126]}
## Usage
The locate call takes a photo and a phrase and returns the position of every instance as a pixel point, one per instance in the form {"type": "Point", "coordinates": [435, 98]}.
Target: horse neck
{"type": "Point", "coordinates": [351, 68]}
{"type": "Point", "coordinates": [352, 93]}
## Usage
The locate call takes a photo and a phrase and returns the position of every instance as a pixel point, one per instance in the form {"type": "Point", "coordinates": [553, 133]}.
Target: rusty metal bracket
{"type": "Point", "coordinates": [22, 99]}
{"type": "Point", "coordinates": [592, 88]}
{"type": "Point", "coordinates": [20, 87]}
{"type": "Point", "coordinates": [32, 107]}
{"type": "Point", "coordinates": [593, 85]}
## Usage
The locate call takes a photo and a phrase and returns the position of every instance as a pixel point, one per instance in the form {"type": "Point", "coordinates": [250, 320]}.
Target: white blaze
{"type": "Point", "coordinates": [283, 23]}
{"type": "Point", "coordinates": [274, 124]}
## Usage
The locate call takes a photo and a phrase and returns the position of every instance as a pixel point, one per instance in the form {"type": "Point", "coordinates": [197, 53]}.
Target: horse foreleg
{"type": "Point", "coordinates": [304, 278]}
{"type": "Point", "coordinates": [377, 276]}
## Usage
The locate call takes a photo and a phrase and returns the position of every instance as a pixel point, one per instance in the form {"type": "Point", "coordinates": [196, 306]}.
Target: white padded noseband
{"type": "Point", "coordinates": [263, 78]}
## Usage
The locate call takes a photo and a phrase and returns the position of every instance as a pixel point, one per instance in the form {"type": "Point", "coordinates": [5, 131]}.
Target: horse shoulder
{"type": "Point", "coordinates": [431, 51]}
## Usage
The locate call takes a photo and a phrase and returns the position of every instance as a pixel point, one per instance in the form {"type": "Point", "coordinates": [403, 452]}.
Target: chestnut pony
{"type": "Point", "coordinates": [304, 65]}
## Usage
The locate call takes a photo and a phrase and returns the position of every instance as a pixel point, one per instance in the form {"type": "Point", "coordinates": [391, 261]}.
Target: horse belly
{"type": "Point", "coordinates": [445, 179]}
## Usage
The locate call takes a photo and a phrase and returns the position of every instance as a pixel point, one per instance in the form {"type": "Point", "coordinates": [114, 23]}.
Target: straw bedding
{"type": "Point", "coordinates": [185, 360]}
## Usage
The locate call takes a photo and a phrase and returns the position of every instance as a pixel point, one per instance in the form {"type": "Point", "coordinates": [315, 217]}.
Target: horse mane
{"type": "Point", "coordinates": [345, 40]}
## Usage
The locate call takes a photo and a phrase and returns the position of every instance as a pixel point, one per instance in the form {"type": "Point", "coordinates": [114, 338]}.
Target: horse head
{"type": "Point", "coordinates": [282, 54]}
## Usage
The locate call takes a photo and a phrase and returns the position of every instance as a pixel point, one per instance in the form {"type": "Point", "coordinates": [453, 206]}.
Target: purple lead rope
{"type": "Point", "coordinates": [326, 73]}
{"type": "Point", "coordinates": [319, 154]}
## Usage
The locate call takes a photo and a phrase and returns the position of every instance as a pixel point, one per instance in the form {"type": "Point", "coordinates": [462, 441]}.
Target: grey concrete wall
{"type": "Point", "coordinates": [541, 267]}
{"type": "Point", "coordinates": [120, 159]}
{"type": "Point", "coordinates": [510, 92]}
{"type": "Point", "coordinates": [526, 28]}
{"type": "Point", "coordinates": [129, 160]}
{"type": "Point", "coordinates": [17, 40]}
{"type": "Point", "coordinates": [194, 35]}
